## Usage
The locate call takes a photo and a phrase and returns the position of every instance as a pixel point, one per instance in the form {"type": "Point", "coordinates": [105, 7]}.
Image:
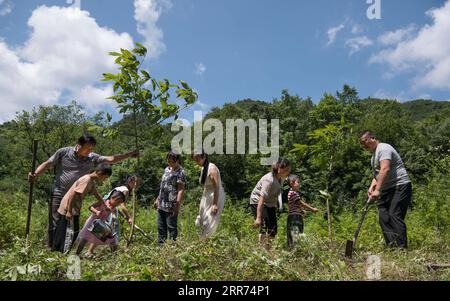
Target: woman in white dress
{"type": "Point", "coordinates": [213, 198]}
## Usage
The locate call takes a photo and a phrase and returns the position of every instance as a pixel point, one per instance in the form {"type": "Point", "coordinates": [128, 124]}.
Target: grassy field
{"type": "Point", "coordinates": [233, 253]}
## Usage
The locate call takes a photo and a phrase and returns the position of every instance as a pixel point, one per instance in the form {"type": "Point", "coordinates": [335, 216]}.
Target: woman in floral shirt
{"type": "Point", "coordinates": [170, 197]}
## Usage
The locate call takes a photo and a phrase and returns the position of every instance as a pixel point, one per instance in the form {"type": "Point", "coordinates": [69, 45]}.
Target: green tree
{"type": "Point", "coordinates": [53, 126]}
{"type": "Point", "coordinates": [137, 93]}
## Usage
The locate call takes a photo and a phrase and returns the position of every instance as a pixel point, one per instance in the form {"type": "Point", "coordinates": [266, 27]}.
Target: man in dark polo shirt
{"type": "Point", "coordinates": [390, 188]}
{"type": "Point", "coordinates": [70, 164]}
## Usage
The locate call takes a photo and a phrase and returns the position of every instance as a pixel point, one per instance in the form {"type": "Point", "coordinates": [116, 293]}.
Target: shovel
{"type": "Point", "coordinates": [137, 228]}
{"type": "Point", "coordinates": [351, 243]}
{"type": "Point", "coordinates": [142, 232]}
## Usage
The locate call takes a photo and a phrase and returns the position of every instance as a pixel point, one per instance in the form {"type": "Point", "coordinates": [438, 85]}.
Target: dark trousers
{"type": "Point", "coordinates": [167, 222]}
{"type": "Point", "coordinates": [392, 207]}
{"type": "Point", "coordinates": [53, 206]}
{"type": "Point", "coordinates": [62, 240]}
{"type": "Point", "coordinates": [269, 224]}
{"type": "Point", "coordinates": [294, 227]}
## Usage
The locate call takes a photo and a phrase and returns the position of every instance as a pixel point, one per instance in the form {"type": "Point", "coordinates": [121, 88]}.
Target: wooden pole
{"type": "Point", "coordinates": [133, 217]}
{"type": "Point", "coordinates": [435, 266]}
{"type": "Point", "coordinates": [30, 195]}
{"type": "Point", "coordinates": [133, 191]}
{"type": "Point", "coordinates": [330, 231]}
{"type": "Point", "coordinates": [329, 220]}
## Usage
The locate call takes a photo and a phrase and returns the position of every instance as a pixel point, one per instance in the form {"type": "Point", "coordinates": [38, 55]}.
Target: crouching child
{"type": "Point", "coordinates": [102, 227]}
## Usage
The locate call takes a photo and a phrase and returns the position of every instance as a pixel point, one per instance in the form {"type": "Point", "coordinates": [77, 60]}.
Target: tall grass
{"type": "Point", "coordinates": [233, 253]}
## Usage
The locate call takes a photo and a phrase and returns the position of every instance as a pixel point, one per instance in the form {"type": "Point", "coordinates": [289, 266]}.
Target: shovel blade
{"type": "Point", "coordinates": [349, 249]}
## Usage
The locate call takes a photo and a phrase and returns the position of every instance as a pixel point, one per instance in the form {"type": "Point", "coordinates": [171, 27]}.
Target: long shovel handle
{"type": "Point", "coordinates": [142, 232]}
{"type": "Point", "coordinates": [133, 217]}
{"type": "Point", "coordinates": [363, 217]}
{"type": "Point", "coordinates": [136, 227]}
{"type": "Point", "coordinates": [30, 195]}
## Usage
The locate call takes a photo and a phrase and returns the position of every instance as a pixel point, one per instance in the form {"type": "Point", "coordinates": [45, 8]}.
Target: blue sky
{"type": "Point", "coordinates": [227, 50]}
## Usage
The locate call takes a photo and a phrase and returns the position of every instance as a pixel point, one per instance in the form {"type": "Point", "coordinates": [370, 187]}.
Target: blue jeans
{"type": "Point", "coordinates": [167, 222]}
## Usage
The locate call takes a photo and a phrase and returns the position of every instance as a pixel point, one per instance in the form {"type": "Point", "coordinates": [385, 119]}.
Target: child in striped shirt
{"type": "Point", "coordinates": [296, 211]}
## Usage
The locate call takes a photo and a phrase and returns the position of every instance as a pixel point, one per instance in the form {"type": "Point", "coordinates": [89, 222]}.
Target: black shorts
{"type": "Point", "coordinates": [269, 220]}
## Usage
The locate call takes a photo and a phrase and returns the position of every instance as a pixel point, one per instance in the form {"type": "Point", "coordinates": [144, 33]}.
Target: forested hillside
{"type": "Point", "coordinates": [321, 139]}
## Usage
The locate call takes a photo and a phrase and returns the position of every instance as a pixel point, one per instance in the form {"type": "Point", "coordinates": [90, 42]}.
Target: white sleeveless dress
{"type": "Point", "coordinates": [208, 222]}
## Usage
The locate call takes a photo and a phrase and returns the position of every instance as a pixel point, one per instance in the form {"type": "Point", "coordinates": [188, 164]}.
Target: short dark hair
{"type": "Point", "coordinates": [173, 156]}
{"type": "Point", "coordinates": [367, 133]}
{"type": "Point", "coordinates": [86, 138]}
{"type": "Point", "coordinates": [104, 169]}
{"type": "Point", "coordinates": [281, 163]}
{"type": "Point", "coordinates": [292, 178]}
{"type": "Point", "coordinates": [117, 195]}
{"type": "Point", "coordinates": [130, 177]}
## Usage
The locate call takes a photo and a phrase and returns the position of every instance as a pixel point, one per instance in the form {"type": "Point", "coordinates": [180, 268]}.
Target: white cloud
{"type": "Point", "coordinates": [356, 29]}
{"type": "Point", "coordinates": [203, 106]}
{"type": "Point", "coordinates": [401, 96]}
{"type": "Point", "coordinates": [358, 43]}
{"type": "Point", "coordinates": [427, 53]}
{"type": "Point", "coordinates": [200, 68]}
{"type": "Point", "coordinates": [424, 96]}
{"type": "Point", "coordinates": [381, 94]}
{"type": "Point", "coordinates": [332, 33]}
{"type": "Point", "coordinates": [64, 57]}
{"type": "Point", "coordinates": [147, 14]}
{"type": "Point", "coordinates": [5, 7]}
{"type": "Point", "coordinates": [94, 97]}
{"type": "Point", "coordinates": [394, 37]}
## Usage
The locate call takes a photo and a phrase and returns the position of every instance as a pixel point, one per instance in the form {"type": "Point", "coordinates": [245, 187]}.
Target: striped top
{"type": "Point", "coordinates": [295, 203]}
